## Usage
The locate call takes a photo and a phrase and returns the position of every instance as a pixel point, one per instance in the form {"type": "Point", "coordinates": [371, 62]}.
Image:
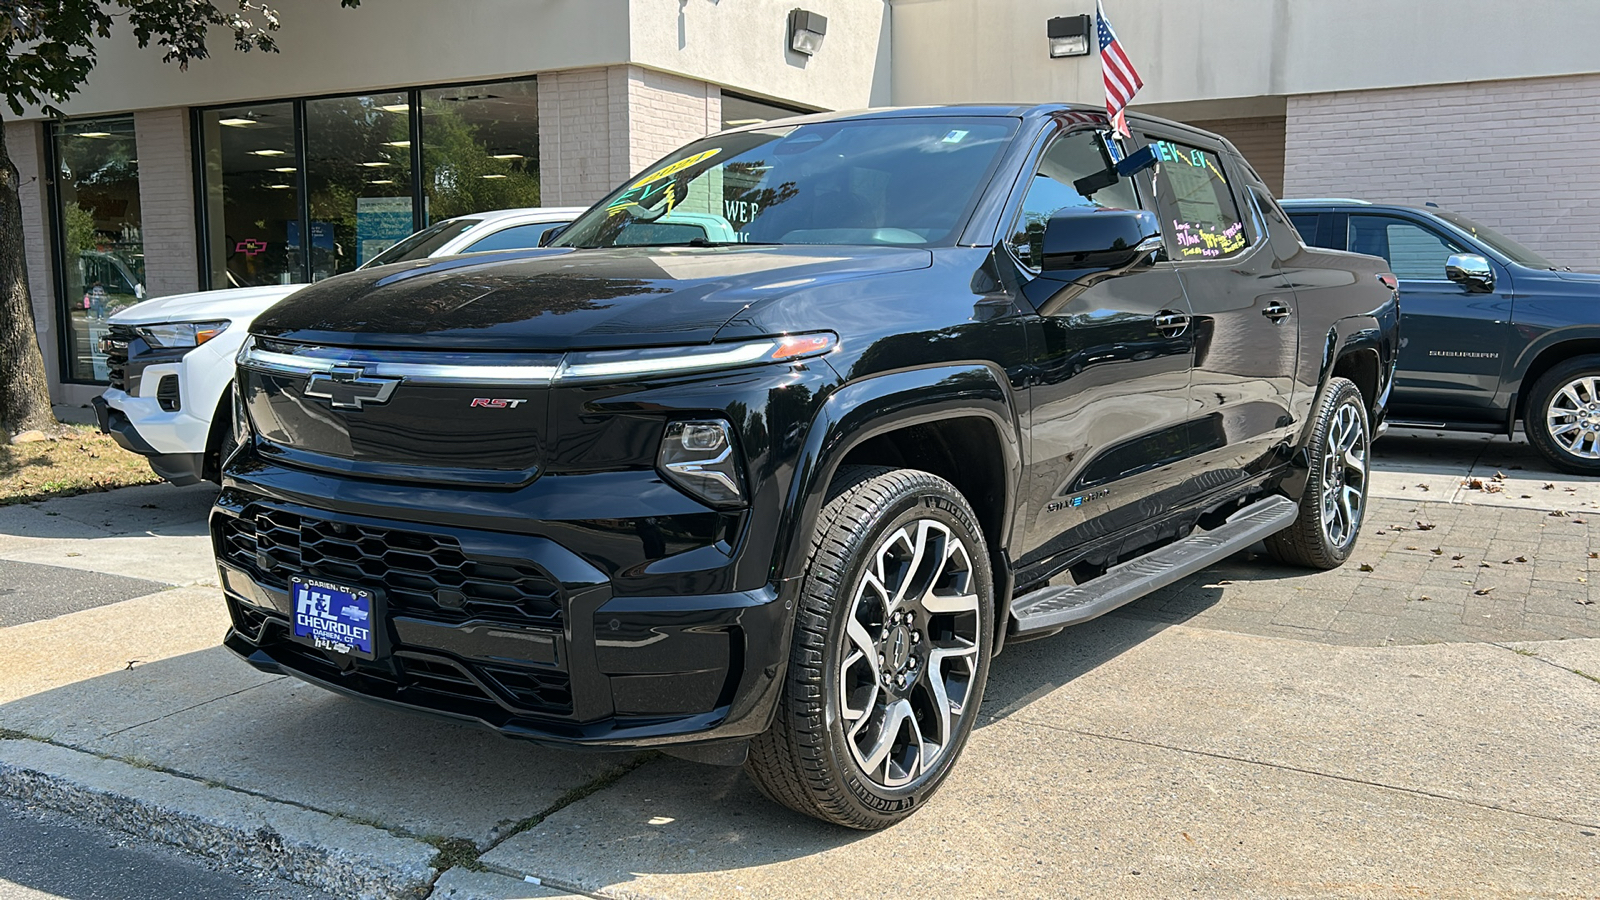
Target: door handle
{"type": "Point", "coordinates": [1171, 324]}
{"type": "Point", "coordinates": [1277, 311]}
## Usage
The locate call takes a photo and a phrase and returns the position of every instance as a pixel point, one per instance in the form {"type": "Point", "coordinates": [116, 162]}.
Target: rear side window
{"type": "Point", "coordinates": [1201, 217]}
{"type": "Point", "coordinates": [517, 237]}
{"type": "Point", "coordinates": [1413, 251]}
{"type": "Point", "coordinates": [1069, 158]}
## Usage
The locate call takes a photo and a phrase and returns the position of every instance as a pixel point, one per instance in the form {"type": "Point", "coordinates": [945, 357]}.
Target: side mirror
{"type": "Point", "coordinates": [1079, 238]}
{"type": "Point", "coordinates": [1471, 271]}
{"type": "Point", "coordinates": [552, 234]}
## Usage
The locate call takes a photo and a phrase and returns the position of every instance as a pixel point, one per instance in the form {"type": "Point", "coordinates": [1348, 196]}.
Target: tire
{"type": "Point", "coordinates": [1562, 419]}
{"type": "Point", "coordinates": [865, 763]}
{"type": "Point", "coordinates": [1335, 499]}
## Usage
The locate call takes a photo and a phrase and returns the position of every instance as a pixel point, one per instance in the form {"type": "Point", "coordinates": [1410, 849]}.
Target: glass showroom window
{"type": "Point", "coordinates": [99, 248]}
{"type": "Point", "coordinates": [358, 179]}
{"type": "Point", "coordinates": [360, 188]}
{"type": "Point", "coordinates": [252, 198]}
{"type": "Point", "coordinates": [739, 111]}
{"type": "Point", "coordinates": [480, 148]}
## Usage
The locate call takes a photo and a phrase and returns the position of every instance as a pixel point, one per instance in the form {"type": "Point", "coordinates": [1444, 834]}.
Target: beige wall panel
{"type": "Point", "coordinates": [1522, 157]}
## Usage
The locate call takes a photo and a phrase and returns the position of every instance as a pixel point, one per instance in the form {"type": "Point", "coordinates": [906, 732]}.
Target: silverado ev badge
{"type": "Point", "coordinates": [349, 388]}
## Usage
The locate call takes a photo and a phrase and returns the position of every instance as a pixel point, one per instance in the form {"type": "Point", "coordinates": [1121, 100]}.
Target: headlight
{"type": "Point", "coordinates": [699, 457]}
{"type": "Point", "coordinates": [180, 335]}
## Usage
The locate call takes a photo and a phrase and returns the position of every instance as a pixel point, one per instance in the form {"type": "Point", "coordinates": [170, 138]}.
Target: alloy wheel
{"type": "Point", "coordinates": [910, 653]}
{"type": "Point", "coordinates": [1573, 417]}
{"type": "Point", "coordinates": [1344, 476]}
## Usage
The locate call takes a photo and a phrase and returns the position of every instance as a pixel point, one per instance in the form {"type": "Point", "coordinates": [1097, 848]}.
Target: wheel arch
{"type": "Point", "coordinates": [1551, 350]}
{"type": "Point", "coordinates": [956, 421]}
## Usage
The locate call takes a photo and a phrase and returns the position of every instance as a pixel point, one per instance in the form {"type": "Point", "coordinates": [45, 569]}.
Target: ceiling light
{"type": "Point", "coordinates": [397, 143]}
{"type": "Point", "coordinates": [396, 107]}
{"type": "Point", "coordinates": [491, 176]}
{"type": "Point", "coordinates": [1069, 36]}
{"type": "Point", "coordinates": [806, 29]}
{"type": "Point", "coordinates": [94, 134]}
{"type": "Point", "coordinates": [506, 156]}
{"type": "Point", "coordinates": [280, 187]}
{"type": "Point", "coordinates": [236, 123]}
{"type": "Point", "coordinates": [284, 169]}
{"type": "Point", "coordinates": [381, 181]}
{"type": "Point", "coordinates": [376, 164]}
{"type": "Point", "coordinates": [268, 152]}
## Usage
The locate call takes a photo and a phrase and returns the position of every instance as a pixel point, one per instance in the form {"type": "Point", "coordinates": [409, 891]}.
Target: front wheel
{"type": "Point", "coordinates": [1335, 499]}
{"type": "Point", "coordinates": [1562, 419]}
{"type": "Point", "coordinates": [890, 654]}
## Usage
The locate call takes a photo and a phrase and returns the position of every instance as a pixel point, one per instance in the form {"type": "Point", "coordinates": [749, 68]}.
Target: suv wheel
{"type": "Point", "coordinates": [891, 649]}
{"type": "Point", "coordinates": [1335, 498]}
{"type": "Point", "coordinates": [1562, 419]}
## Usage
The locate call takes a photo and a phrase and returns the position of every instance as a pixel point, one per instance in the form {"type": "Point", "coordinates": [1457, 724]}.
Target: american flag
{"type": "Point", "coordinates": [1122, 79]}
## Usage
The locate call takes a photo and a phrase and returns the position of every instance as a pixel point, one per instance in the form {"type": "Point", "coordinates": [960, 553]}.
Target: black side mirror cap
{"type": "Point", "coordinates": [552, 234]}
{"type": "Point", "coordinates": [1085, 238]}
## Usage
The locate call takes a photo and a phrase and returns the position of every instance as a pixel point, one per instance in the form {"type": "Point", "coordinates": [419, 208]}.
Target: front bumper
{"type": "Point", "coordinates": [511, 631]}
{"type": "Point", "coordinates": [182, 469]}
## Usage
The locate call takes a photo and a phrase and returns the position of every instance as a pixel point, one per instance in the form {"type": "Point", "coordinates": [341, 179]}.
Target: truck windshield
{"type": "Point", "coordinates": [910, 181]}
{"type": "Point", "coordinates": [422, 244]}
{"type": "Point", "coordinates": [1505, 246]}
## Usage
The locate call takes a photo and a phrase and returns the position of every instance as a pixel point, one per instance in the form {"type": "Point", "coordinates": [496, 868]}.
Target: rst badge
{"type": "Point", "coordinates": [497, 403]}
{"type": "Point", "coordinates": [347, 387]}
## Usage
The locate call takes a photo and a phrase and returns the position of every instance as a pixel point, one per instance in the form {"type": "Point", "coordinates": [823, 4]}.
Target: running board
{"type": "Point", "coordinates": [1055, 607]}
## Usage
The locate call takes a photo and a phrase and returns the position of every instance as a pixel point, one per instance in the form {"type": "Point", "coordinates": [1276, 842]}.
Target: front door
{"type": "Point", "coordinates": [1109, 436]}
{"type": "Point", "coordinates": [1245, 325]}
{"type": "Point", "coordinates": [1452, 341]}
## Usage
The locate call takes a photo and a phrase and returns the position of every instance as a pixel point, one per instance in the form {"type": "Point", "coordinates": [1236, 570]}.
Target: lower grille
{"type": "Point", "coordinates": [420, 573]}
{"type": "Point", "coordinates": [115, 347]}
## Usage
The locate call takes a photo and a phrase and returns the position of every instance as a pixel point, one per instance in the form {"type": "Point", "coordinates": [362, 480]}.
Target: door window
{"type": "Point", "coordinates": [517, 237]}
{"type": "Point", "coordinates": [1413, 251]}
{"type": "Point", "coordinates": [1069, 158]}
{"type": "Point", "coordinates": [1201, 217]}
{"type": "Point", "coordinates": [1306, 224]}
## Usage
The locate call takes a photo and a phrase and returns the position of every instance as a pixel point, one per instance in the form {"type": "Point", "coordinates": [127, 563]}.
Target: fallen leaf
{"type": "Point", "coordinates": [132, 663]}
{"type": "Point", "coordinates": [1558, 513]}
{"type": "Point", "coordinates": [1426, 526]}
{"type": "Point", "coordinates": [1580, 521]}
{"type": "Point", "coordinates": [1594, 555]}
{"type": "Point", "coordinates": [1411, 548]}
{"type": "Point", "coordinates": [1522, 559]}
{"type": "Point", "coordinates": [1424, 598]}
{"type": "Point", "coordinates": [1482, 591]}
{"type": "Point", "coordinates": [1365, 567]}
{"type": "Point", "coordinates": [1584, 602]}
{"type": "Point", "coordinates": [1549, 485]}
{"type": "Point", "coordinates": [1499, 476]}
{"type": "Point", "coordinates": [1459, 556]}
{"type": "Point", "coordinates": [1527, 496]}
{"type": "Point", "coordinates": [1493, 488]}
{"type": "Point", "coordinates": [1458, 566]}
{"type": "Point", "coordinates": [1437, 551]}
{"type": "Point", "coordinates": [1485, 565]}
{"type": "Point", "coordinates": [1424, 487]}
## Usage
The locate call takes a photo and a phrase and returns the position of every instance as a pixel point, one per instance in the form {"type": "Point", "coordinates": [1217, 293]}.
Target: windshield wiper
{"type": "Point", "coordinates": [707, 242]}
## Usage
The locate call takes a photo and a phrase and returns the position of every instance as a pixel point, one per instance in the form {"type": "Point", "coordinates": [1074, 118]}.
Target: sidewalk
{"type": "Point", "coordinates": [1418, 729]}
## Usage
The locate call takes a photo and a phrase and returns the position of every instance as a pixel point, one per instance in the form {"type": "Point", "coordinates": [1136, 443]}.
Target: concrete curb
{"type": "Point", "coordinates": [459, 884]}
{"type": "Point", "coordinates": [329, 853]}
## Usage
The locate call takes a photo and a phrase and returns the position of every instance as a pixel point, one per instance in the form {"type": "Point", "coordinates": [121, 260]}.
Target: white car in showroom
{"type": "Point", "coordinates": [171, 360]}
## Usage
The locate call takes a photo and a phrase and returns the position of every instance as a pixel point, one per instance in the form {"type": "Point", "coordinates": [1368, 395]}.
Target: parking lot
{"type": "Point", "coordinates": [1422, 722]}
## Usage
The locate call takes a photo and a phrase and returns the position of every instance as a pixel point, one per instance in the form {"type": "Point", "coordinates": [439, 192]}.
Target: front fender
{"type": "Point", "coordinates": [879, 404]}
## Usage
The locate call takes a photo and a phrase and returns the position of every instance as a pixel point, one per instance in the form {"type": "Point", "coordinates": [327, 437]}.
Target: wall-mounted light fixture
{"type": "Point", "coordinates": [806, 29]}
{"type": "Point", "coordinates": [1069, 36]}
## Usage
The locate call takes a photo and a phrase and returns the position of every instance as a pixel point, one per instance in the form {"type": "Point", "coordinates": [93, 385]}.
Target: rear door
{"type": "Point", "coordinates": [1451, 340]}
{"type": "Point", "coordinates": [1246, 344]}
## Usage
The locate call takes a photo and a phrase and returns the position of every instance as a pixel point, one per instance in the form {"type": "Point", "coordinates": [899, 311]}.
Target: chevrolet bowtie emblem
{"type": "Point", "coordinates": [350, 388]}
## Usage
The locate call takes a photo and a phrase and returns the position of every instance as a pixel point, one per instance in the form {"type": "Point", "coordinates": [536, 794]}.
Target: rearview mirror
{"type": "Point", "coordinates": [552, 234]}
{"type": "Point", "coordinates": [1080, 238]}
{"type": "Point", "coordinates": [1471, 271]}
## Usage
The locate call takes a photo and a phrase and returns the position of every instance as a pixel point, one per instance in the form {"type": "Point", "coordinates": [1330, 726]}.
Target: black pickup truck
{"type": "Point", "coordinates": [949, 377]}
{"type": "Point", "coordinates": [1492, 331]}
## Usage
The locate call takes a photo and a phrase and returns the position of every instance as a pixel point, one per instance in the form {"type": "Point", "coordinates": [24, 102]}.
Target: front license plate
{"type": "Point", "coordinates": [332, 617]}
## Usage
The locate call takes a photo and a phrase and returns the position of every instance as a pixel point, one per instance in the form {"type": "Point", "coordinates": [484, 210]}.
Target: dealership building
{"type": "Point", "coordinates": [255, 168]}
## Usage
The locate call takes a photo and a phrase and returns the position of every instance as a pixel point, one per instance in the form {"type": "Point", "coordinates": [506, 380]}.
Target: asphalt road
{"type": "Point", "coordinates": [30, 592]}
{"type": "Point", "coordinates": [47, 855]}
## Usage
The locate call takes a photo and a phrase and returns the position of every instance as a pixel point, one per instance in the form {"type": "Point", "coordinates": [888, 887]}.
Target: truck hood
{"type": "Point", "coordinates": [1580, 277]}
{"type": "Point", "coordinates": [237, 305]}
{"type": "Point", "coordinates": [562, 299]}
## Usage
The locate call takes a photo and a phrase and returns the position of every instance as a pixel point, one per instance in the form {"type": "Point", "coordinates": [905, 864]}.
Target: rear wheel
{"type": "Point", "coordinates": [890, 654]}
{"type": "Point", "coordinates": [1562, 418]}
{"type": "Point", "coordinates": [1335, 499]}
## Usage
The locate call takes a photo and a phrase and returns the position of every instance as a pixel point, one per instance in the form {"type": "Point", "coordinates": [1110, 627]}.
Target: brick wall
{"type": "Point", "coordinates": [1522, 157]}
{"type": "Point", "coordinates": [166, 202]}
{"type": "Point", "coordinates": [25, 145]}
{"type": "Point", "coordinates": [1260, 140]}
{"type": "Point", "coordinates": [599, 126]}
